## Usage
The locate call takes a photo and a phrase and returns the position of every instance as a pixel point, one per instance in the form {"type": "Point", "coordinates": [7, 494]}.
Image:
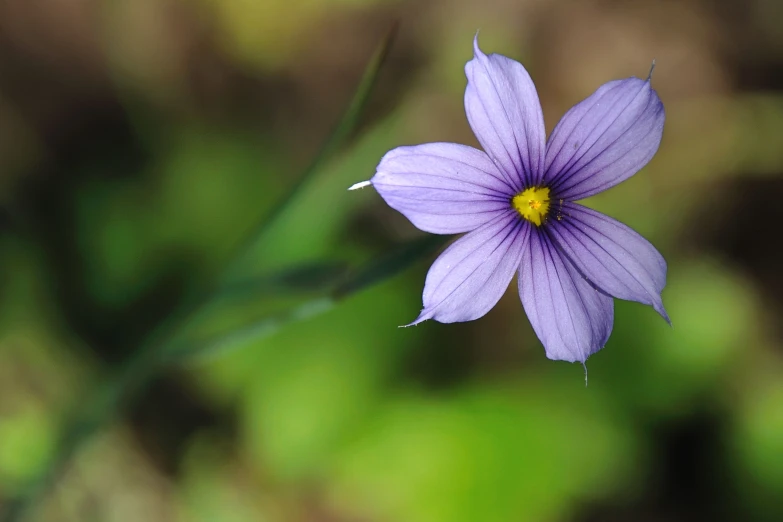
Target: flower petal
{"type": "Point", "coordinates": [572, 319]}
{"type": "Point", "coordinates": [472, 274]}
{"type": "Point", "coordinates": [443, 188]}
{"type": "Point", "coordinates": [503, 110]}
{"type": "Point", "coordinates": [611, 255]}
{"type": "Point", "coordinates": [604, 139]}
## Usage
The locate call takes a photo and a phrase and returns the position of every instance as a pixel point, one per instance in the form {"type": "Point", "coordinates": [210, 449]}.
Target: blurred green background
{"type": "Point", "coordinates": [141, 140]}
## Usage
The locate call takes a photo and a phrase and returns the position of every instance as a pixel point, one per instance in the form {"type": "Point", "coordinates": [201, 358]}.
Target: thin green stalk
{"type": "Point", "coordinates": [337, 139]}
{"type": "Point", "coordinates": [151, 357]}
{"type": "Point", "coordinates": [370, 274]}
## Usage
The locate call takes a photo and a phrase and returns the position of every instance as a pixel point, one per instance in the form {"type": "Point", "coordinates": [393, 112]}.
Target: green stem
{"type": "Point", "coordinates": [336, 140]}
{"type": "Point", "coordinates": [370, 274]}
{"type": "Point", "coordinates": [151, 357]}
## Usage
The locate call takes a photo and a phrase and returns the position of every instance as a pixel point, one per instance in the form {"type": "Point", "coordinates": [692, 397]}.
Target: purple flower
{"type": "Point", "coordinates": [516, 201]}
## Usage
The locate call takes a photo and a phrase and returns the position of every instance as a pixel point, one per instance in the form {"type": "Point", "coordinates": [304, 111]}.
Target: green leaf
{"type": "Point", "coordinates": [337, 139]}
{"type": "Point", "coordinates": [391, 263]}
{"type": "Point", "coordinates": [319, 276]}
{"type": "Point", "coordinates": [150, 358]}
{"type": "Point", "coordinates": [373, 272]}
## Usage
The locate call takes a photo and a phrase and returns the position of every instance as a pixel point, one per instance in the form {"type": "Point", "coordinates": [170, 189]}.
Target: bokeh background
{"type": "Point", "coordinates": [141, 140]}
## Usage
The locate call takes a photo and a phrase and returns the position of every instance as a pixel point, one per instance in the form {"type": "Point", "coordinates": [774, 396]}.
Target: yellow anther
{"type": "Point", "coordinates": [532, 204]}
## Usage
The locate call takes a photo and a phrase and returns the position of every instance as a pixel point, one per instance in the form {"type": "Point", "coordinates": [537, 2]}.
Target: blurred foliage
{"type": "Point", "coordinates": [140, 143]}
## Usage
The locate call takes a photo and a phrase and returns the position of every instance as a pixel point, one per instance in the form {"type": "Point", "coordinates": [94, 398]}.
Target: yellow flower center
{"type": "Point", "coordinates": [532, 204]}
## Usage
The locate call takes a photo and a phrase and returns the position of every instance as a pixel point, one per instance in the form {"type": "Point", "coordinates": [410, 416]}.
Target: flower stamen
{"type": "Point", "coordinates": [532, 204]}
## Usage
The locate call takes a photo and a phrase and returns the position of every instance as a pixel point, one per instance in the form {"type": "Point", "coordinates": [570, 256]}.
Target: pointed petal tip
{"type": "Point", "coordinates": [359, 185]}
{"type": "Point", "coordinates": [652, 68]}
{"type": "Point", "coordinates": [423, 316]}
{"type": "Point", "coordinates": [476, 49]}
{"type": "Point", "coordinates": [658, 307]}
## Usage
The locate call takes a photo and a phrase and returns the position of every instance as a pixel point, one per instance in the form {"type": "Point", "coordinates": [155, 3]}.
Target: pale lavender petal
{"type": "Point", "coordinates": [443, 188]}
{"type": "Point", "coordinates": [571, 318]}
{"type": "Point", "coordinates": [470, 276]}
{"type": "Point", "coordinates": [502, 106]}
{"type": "Point", "coordinates": [611, 255]}
{"type": "Point", "coordinates": [604, 139]}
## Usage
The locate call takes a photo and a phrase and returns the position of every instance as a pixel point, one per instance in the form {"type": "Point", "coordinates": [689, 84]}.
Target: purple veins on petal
{"type": "Point", "coordinates": [442, 188]}
{"type": "Point", "coordinates": [572, 319]}
{"type": "Point", "coordinates": [505, 114]}
{"type": "Point", "coordinates": [604, 139]}
{"type": "Point", "coordinates": [611, 255]}
{"type": "Point", "coordinates": [471, 275]}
